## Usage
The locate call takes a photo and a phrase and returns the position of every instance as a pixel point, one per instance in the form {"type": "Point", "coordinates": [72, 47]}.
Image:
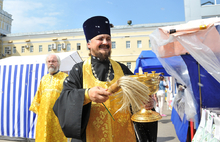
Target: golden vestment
{"type": "Point", "coordinates": [101, 127]}
{"type": "Point", "coordinates": [48, 128]}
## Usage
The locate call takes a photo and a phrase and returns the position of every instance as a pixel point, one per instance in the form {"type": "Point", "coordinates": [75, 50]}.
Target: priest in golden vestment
{"type": "Point", "coordinates": [80, 109]}
{"type": "Point", "coordinates": [48, 128]}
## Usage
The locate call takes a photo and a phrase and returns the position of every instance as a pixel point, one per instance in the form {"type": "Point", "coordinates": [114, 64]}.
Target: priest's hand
{"type": "Point", "coordinates": [149, 104]}
{"type": "Point", "coordinates": [98, 94]}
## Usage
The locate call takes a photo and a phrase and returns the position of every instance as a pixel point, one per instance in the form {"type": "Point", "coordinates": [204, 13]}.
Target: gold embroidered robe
{"type": "Point", "coordinates": [101, 127]}
{"type": "Point", "coordinates": [48, 128]}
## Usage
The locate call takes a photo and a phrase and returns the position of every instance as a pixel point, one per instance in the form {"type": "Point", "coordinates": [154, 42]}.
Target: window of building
{"type": "Point", "coordinates": [207, 2]}
{"type": "Point", "coordinates": [63, 46]}
{"type": "Point", "coordinates": [113, 45]}
{"type": "Point", "coordinates": [59, 47]}
{"type": "Point", "coordinates": [22, 49]}
{"type": "Point", "coordinates": [14, 50]}
{"type": "Point", "coordinates": [128, 44]}
{"type": "Point", "coordinates": [139, 44]}
{"type": "Point", "coordinates": [40, 48]}
{"type": "Point", "coordinates": [31, 48]}
{"type": "Point", "coordinates": [206, 17]}
{"type": "Point", "coordinates": [6, 50]}
{"type": "Point", "coordinates": [7, 27]}
{"type": "Point", "coordinates": [78, 46]}
{"type": "Point", "coordinates": [150, 45]}
{"type": "Point", "coordinates": [68, 47]}
{"type": "Point", "coordinates": [49, 48]}
{"type": "Point", "coordinates": [129, 65]}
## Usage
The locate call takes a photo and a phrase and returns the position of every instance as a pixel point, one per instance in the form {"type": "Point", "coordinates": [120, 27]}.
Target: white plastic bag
{"type": "Point", "coordinates": [157, 109]}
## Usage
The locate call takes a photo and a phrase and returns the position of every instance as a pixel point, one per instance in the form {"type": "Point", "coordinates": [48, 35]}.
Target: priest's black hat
{"type": "Point", "coordinates": [95, 26]}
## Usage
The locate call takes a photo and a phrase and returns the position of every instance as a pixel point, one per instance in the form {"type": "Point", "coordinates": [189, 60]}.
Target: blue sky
{"type": "Point", "coordinates": [48, 15]}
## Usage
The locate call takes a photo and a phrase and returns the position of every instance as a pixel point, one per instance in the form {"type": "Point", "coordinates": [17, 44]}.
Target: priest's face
{"type": "Point", "coordinates": [100, 46]}
{"type": "Point", "coordinates": [52, 64]}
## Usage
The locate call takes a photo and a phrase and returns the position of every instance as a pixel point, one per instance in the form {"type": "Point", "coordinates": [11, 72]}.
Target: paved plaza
{"type": "Point", "coordinates": [166, 131]}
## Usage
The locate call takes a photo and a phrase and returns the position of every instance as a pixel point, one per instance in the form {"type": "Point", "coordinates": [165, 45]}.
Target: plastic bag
{"type": "Point", "coordinates": [179, 103]}
{"type": "Point", "coordinates": [157, 109]}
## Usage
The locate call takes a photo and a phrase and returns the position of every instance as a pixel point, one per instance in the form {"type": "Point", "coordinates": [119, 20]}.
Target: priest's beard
{"type": "Point", "coordinates": [52, 69]}
{"type": "Point", "coordinates": [101, 56]}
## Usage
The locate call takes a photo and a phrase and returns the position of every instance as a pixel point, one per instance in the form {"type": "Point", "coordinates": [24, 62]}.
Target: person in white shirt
{"type": "Point", "coordinates": [161, 94]}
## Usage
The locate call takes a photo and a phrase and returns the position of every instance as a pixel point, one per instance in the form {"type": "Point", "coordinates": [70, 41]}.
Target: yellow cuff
{"type": "Point", "coordinates": [86, 99]}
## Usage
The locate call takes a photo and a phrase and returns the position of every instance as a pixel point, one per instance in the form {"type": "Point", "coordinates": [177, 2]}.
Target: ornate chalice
{"type": "Point", "coordinates": [152, 82]}
{"type": "Point", "coordinates": [135, 90]}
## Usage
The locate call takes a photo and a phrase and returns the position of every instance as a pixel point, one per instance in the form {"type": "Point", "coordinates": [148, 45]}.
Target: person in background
{"type": "Point", "coordinates": [48, 128]}
{"type": "Point", "coordinates": [80, 109]}
{"type": "Point", "coordinates": [161, 94]}
{"type": "Point", "coordinates": [156, 104]}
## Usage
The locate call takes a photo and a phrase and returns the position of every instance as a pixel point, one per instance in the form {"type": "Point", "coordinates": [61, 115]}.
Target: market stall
{"type": "Point", "coordinates": [147, 61]}
{"type": "Point", "coordinates": [190, 53]}
{"type": "Point", "coordinates": [19, 80]}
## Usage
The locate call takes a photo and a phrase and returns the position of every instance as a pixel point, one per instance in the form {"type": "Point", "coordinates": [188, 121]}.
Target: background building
{"type": "Point", "coordinates": [127, 42]}
{"type": "Point", "coordinates": [5, 25]}
{"type": "Point", "coordinates": [201, 9]}
{"type": "Point", "coordinates": [5, 20]}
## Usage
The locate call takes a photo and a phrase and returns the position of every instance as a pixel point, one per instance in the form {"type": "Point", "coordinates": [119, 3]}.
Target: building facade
{"type": "Point", "coordinates": [5, 25]}
{"type": "Point", "coordinates": [127, 42]}
{"type": "Point", "coordinates": [5, 20]}
{"type": "Point", "coordinates": [201, 9]}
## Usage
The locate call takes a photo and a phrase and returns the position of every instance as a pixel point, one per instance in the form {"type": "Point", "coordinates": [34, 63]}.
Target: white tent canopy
{"type": "Point", "coordinates": [68, 59]}
{"type": "Point", "coordinates": [19, 80]}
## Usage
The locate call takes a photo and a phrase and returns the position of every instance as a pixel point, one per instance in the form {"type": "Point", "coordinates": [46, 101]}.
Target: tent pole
{"type": "Point", "coordinates": [200, 93]}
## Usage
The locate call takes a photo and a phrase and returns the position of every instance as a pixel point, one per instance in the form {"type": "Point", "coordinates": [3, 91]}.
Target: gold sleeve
{"type": "Point", "coordinates": [35, 104]}
{"type": "Point", "coordinates": [86, 99]}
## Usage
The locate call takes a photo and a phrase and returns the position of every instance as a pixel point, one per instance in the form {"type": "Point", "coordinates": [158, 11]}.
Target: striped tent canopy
{"type": "Point", "coordinates": [19, 80]}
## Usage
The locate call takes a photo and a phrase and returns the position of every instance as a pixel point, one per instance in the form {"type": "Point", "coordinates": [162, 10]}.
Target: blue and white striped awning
{"type": "Point", "coordinates": [19, 79]}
